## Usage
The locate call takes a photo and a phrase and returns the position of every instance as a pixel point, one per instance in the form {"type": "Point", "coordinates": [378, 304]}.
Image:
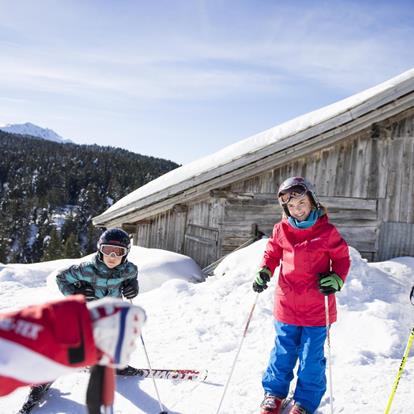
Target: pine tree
{"type": "Point", "coordinates": [70, 226]}
{"type": "Point", "coordinates": [53, 250]}
{"type": "Point", "coordinates": [4, 248]}
{"type": "Point", "coordinates": [71, 248]}
{"type": "Point", "coordinates": [92, 238]}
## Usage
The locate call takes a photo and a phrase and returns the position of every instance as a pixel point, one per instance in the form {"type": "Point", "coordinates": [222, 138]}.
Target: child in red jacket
{"type": "Point", "coordinates": [314, 262]}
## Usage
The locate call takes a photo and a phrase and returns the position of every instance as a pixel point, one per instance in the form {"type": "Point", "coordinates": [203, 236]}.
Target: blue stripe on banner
{"type": "Point", "coordinates": [124, 312]}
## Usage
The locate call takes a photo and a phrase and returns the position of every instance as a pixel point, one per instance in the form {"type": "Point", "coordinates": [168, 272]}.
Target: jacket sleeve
{"type": "Point", "coordinates": [131, 274]}
{"type": "Point", "coordinates": [44, 342]}
{"type": "Point", "coordinates": [66, 279]}
{"type": "Point", "coordinates": [339, 253]}
{"type": "Point", "coordinates": [273, 252]}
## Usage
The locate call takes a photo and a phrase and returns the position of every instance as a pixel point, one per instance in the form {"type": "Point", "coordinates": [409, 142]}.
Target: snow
{"type": "Point", "coordinates": [200, 325]}
{"type": "Point", "coordinates": [210, 164]}
{"type": "Point", "coordinates": [33, 130]}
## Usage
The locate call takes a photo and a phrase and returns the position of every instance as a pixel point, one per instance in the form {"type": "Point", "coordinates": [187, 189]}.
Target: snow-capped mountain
{"type": "Point", "coordinates": [35, 131]}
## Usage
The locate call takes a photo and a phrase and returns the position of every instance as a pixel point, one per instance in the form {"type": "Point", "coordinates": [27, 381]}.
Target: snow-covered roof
{"type": "Point", "coordinates": [260, 145]}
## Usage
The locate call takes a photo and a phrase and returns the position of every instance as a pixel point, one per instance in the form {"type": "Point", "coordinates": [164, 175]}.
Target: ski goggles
{"type": "Point", "coordinates": [298, 192]}
{"type": "Point", "coordinates": [114, 251]}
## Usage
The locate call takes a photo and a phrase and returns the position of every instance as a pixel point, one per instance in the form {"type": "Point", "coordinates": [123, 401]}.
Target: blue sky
{"type": "Point", "coordinates": [181, 79]}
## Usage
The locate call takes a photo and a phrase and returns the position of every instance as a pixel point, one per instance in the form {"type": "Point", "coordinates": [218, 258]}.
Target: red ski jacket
{"type": "Point", "coordinates": [40, 343]}
{"type": "Point", "coordinates": [302, 254]}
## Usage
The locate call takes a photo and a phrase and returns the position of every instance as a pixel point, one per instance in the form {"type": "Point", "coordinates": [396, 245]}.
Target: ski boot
{"type": "Point", "coordinates": [271, 405]}
{"type": "Point", "coordinates": [37, 392]}
{"type": "Point", "coordinates": [128, 371]}
{"type": "Point", "coordinates": [297, 409]}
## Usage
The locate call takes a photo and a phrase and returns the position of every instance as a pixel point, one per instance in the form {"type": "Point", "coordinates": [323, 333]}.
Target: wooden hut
{"type": "Point", "coordinates": [358, 152]}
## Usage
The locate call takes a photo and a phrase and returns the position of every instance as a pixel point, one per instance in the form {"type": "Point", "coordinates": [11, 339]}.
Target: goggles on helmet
{"type": "Point", "coordinates": [296, 193]}
{"type": "Point", "coordinates": [114, 251]}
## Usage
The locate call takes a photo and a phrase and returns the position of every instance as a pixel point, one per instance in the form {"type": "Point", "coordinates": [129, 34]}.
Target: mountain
{"type": "Point", "coordinates": [50, 191]}
{"type": "Point", "coordinates": [35, 131]}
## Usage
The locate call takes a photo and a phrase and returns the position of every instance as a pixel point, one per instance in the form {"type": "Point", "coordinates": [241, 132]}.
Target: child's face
{"type": "Point", "coordinates": [112, 261]}
{"type": "Point", "coordinates": [300, 208]}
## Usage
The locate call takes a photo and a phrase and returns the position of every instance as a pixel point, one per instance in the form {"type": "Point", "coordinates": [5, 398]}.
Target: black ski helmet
{"type": "Point", "coordinates": [115, 237]}
{"type": "Point", "coordinates": [301, 183]}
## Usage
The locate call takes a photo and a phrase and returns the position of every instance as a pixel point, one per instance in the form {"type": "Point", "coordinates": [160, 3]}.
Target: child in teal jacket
{"type": "Point", "coordinates": [108, 273]}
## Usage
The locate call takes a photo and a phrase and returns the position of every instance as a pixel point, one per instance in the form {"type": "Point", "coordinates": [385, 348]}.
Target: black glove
{"type": "Point", "coordinates": [130, 288]}
{"type": "Point", "coordinates": [412, 295]}
{"type": "Point", "coordinates": [329, 282]}
{"type": "Point", "coordinates": [85, 289]}
{"type": "Point", "coordinates": [262, 279]}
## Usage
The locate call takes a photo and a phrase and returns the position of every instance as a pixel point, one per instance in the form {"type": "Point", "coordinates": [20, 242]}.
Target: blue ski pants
{"type": "Point", "coordinates": [305, 343]}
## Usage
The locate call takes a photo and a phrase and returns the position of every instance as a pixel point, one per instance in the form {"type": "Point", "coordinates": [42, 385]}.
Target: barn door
{"type": "Point", "coordinates": [200, 243]}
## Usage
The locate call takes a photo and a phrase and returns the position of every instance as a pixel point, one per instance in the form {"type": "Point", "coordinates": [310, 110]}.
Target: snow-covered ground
{"type": "Point", "coordinates": [200, 325]}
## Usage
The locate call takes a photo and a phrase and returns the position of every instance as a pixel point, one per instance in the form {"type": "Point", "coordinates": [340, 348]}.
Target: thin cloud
{"type": "Point", "coordinates": [213, 62]}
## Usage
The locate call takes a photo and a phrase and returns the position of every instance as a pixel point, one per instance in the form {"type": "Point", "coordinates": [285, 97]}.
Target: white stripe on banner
{"type": "Point", "coordinates": [28, 366]}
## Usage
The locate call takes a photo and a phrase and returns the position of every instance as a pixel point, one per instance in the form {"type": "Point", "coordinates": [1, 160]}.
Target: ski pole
{"type": "Point", "coordinates": [400, 370]}
{"type": "Point", "coordinates": [151, 373]}
{"type": "Point", "coordinates": [328, 336]}
{"type": "Point", "coordinates": [238, 352]}
{"type": "Point", "coordinates": [153, 379]}
{"type": "Point", "coordinates": [109, 390]}
{"type": "Point", "coordinates": [100, 391]}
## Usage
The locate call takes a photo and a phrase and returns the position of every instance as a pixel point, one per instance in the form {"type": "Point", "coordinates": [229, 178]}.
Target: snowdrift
{"type": "Point", "coordinates": [199, 325]}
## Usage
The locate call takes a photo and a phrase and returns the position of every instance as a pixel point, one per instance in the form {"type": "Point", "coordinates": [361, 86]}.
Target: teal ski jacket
{"type": "Point", "coordinates": [105, 281]}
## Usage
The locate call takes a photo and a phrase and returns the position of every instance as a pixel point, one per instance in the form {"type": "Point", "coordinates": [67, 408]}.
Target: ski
{"type": "Point", "coordinates": [176, 375]}
{"type": "Point", "coordinates": [34, 398]}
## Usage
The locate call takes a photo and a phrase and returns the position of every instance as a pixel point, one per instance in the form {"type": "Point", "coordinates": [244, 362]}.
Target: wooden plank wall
{"type": "Point", "coordinates": [355, 218]}
{"type": "Point", "coordinates": [241, 213]}
{"type": "Point", "coordinates": [395, 239]}
{"type": "Point", "coordinates": [357, 221]}
{"type": "Point", "coordinates": [191, 229]}
{"type": "Point", "coordinates": [201, 244]}
{"type": "Point", "coordinates": [163, 231]}
{"type": "Point", "coordinates": [202, 234]}
{"type": "Point", "coordinates": [397, 148]}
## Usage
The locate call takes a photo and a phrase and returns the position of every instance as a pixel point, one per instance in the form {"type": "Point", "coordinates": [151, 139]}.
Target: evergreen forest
{"type": "Point", "coordinates": [49, 193]}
